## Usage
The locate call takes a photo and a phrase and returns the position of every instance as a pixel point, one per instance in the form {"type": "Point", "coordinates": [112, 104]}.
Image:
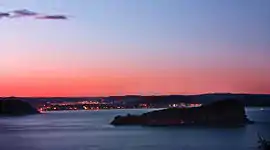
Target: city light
{"type": "Point", "coordinates": [101, 104]}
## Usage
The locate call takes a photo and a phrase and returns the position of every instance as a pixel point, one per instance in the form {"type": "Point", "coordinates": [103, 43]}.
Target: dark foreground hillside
{"type": "Point", "coordinates": [16, 107]}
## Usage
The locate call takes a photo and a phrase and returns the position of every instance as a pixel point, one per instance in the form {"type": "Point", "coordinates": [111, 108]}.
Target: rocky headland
{"type": "Point", "coordinates": [15, 107]}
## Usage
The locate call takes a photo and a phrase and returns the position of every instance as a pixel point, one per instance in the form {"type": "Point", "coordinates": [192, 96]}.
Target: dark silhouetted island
{"type": "Point", "coordinates": [12, 106]}
{"type": "Point", "coordinates": [221, 113]}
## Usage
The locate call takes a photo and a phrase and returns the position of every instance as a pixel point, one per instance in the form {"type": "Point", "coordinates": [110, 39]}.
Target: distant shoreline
{"type": "Point", "coordinates": [140, 101]}
{"type": "Point", "coordinates": [267, 107]}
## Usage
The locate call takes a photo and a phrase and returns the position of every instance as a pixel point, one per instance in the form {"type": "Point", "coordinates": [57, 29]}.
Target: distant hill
{"type": "Point", "coordinates": [246, 99]}
{"type": "Point", "coordinates": [36, 101]}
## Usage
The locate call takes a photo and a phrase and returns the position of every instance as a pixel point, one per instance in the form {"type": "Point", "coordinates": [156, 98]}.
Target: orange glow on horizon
{"type": "Point", "coordinates": [152, 82]}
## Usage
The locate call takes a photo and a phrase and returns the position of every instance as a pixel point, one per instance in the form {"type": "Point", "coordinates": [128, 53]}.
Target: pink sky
{"type": "Point", "coordinates": [111, 48]}
{"type": "Point", "coordinates": [107, 83]}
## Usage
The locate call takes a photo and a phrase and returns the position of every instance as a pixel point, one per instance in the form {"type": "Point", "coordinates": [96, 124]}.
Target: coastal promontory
{"type": "Point", "coordinates": [13, 106]}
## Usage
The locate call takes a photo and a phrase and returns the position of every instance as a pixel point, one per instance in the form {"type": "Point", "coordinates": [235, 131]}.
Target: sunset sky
{"type": "Point", "coordinates": [119, 47]}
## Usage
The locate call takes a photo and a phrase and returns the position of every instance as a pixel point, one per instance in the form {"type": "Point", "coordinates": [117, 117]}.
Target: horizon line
{"type": "Point", "coordinates": [229, 93]}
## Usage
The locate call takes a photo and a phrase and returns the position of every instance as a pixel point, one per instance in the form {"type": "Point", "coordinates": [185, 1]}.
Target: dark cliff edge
{"type": "Point", "coordinates": [227, 113]}
{"type": "Point", "coordinates": [16, 107]}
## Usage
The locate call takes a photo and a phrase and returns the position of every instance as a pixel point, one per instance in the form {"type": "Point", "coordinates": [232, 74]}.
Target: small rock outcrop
{"type": "Point", "coordinates": [15, 107]}
{"type": "Point", "coordinates": [221, 113]}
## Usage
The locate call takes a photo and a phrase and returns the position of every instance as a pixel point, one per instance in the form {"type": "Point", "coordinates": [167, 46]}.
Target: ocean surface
{"type": "Point", "coordinates": [90, 130]}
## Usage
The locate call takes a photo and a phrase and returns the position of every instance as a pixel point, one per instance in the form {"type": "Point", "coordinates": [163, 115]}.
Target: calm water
{"type": "Point", "coordinates": [90, 130]}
